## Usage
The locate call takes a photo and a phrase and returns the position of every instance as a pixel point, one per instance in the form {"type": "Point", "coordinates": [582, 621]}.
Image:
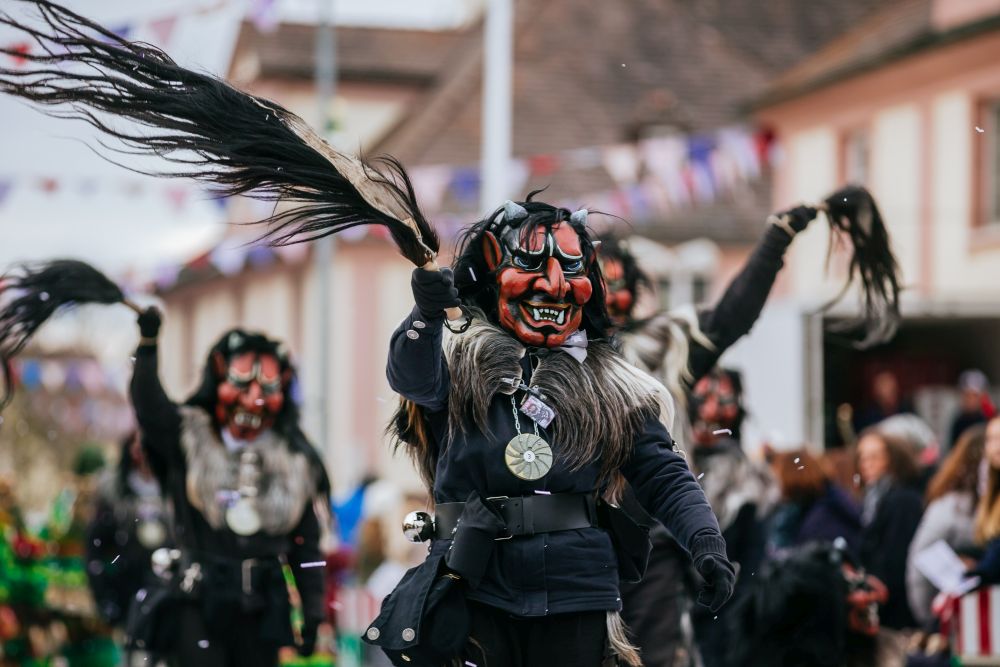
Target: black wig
{"type": "Point", "coordinates": [33, 293]}
{"type": "Point", "coordinates": [477, 284]}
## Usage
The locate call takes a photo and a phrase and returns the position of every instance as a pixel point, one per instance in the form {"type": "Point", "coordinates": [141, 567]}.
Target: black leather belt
{"type": "Point", "coordinates": [527, 515]}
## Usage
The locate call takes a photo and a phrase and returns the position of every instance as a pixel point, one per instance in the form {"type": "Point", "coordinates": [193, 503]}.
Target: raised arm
{"type": "Point", "coordinates": [740, 306]}
{"type": "Point", "coordinates": [665, 487]}
{"type": "Point", "coordinates": [417, 369]}
{"type": "Point", "coordinates": [159, 418]}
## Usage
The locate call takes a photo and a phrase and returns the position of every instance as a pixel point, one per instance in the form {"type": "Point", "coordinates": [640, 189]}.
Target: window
{"type": "Point", "coordinates": [856, 156]}
{"type": "Point", "coordinates": [989, 144]}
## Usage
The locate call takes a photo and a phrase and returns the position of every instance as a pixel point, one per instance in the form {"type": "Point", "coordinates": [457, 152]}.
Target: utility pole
{"type": "Point", "coordinates": [323, 249]}
{"type": "Point", "coordinates": [497, 102]}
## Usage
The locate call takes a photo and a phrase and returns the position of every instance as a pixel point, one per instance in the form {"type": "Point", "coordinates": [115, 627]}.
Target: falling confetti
{"type": "Point", "coordinates": [797, 459]}
{"type": "Point", "coordinates": [116, 559]}
{"type": "Point", "coordinates": [722, 431]}
{"type": "Point", "coordinates": [623, 64]}
{"type": "Point", "coordinates": [802, 467]}
{"type": "Point", "coordinates": [316, 563]}
{"type": "Point", "coordinates": [544, 493]}
{"type": "Point", "coordinates": [979, 129]}
{"type": "Point", "coordinates": [202, 643]}
{"type": "Point", "coordinates": [471, 664]}
{"type": "Point", "coordinates": [701, 475]}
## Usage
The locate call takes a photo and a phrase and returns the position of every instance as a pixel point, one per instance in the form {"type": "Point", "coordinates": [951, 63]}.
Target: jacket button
{"type": "Point", "coordinates": [417, 324]}
{"type": "Point", "coordinates": [373, 633]}
{"type": "Point", "coordinates": [408, 635]}
{"type": "Point", "coordinates": [411, 334]}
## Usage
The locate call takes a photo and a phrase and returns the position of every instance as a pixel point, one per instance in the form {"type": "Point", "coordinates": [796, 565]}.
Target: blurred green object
{"type": "Point", "coordinates": [89, 459]}
{"type": "Point", "coordinates": [95, 652]}
{"type": "Point", "coordinates": [315, 660]}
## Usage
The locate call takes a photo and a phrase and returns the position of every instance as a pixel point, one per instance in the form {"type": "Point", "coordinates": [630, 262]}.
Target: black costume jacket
{"type": "Point", "coordinates": [168, 433]}
{"type": "Point", "coordinates": [549, 573]}
{"type": "Point", "coordinates": [118, 553]}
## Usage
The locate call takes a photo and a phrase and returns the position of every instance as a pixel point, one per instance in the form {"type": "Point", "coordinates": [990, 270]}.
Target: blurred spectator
{"type": "Point", "coordinates": [952, 496]}
{"type": "Point", "coordinates": [886, 402]}
{"type": "Point", "coordinates": [741, 493]}
{"type": "Point", "coordinates": [918, 436]}
{"type": "Point", "coordinates": [130, 523]}
{"type": "Point", "coordinates": [889, 518]}
{"type": "Point", "coordinates": [987, 531]}
{"type": "Point", "coordinates": [813, 508]}
{"type": "Point", "coordinates": [975, 404]}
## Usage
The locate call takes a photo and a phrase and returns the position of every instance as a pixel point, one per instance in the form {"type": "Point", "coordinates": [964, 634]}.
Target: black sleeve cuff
{"type": "Point", "coordinates": [710, 544]}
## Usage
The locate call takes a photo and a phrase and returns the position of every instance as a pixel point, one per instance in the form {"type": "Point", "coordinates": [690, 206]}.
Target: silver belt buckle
{"type": "Point", "coordinates": [502, 538]}
{"type": "Point", "coordinates": [246, 568]}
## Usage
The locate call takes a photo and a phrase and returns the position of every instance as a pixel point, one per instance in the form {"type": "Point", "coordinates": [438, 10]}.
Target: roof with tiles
{"type": "Point", "coordinates": [595, 73]}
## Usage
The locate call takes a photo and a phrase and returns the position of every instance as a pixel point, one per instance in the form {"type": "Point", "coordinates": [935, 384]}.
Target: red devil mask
{"type": "Point", "coordinates": [716, 405]}
{"type": "Point", "coordinates": [541, 272]}
{"type": "Point", "coordinates": [617, 293]}
{"type": "Point", "coordinates": [251, 393]}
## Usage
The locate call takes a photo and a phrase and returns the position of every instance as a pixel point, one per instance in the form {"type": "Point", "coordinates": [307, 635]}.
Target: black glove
{"type": "Point", "coordinates": [308, 645]}
{"type": "Point", "coordinates": [798, 218]}
{"type": "Point", "coordinates": [719, 577]}
{"type": "Point", "coordinates": [149, 322]}
{"type": "Point", "coordinates": [434, 291]}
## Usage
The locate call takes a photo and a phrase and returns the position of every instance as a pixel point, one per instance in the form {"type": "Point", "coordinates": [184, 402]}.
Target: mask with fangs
{"type": "Point", "coordinates": [541, 260]}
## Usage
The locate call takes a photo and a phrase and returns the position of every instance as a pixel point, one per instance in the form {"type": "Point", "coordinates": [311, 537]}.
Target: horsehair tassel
{"type": "Point", "coordinates": [237, 143]}
{"type": "Point", "coordinates": [852, 212]}
{"type": "Point", "coordinates": [36, 292]}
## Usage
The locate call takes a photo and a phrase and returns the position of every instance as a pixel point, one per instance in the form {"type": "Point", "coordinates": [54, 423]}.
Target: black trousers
{"type": "Point", "coordinates": [498, 639]}
{"type": "Point", "coordinates": [240, 648]}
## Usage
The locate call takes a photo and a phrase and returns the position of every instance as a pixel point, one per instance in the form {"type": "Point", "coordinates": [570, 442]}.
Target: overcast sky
{"type": "Point", "coordinates": [63, 200]}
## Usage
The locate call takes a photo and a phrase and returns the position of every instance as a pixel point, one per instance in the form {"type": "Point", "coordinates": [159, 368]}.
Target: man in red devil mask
{"type": "Point", "coordinates": [245, 485]}
{"type": "Point", "coordinates": [519, 422]}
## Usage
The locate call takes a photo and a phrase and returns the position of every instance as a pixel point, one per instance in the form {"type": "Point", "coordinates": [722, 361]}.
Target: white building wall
{"type": "Point", "coordinates": [895, 181]}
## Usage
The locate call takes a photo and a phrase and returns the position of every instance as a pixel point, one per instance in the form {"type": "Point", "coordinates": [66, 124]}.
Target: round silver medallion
{"type": "Point", "coordinates": [528, 457]}
{"type": "Point", "coordinates": [243, 518]}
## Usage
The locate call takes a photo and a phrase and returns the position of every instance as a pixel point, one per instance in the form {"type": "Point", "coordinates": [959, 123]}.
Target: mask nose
{"type": "Point", "coordinates": [553, 281]}
{"type": "Point", "coordinates": [253, 397]}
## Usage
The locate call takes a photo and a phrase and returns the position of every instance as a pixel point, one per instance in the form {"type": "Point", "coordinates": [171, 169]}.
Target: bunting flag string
{"type": "Point", "coordinates": [655, 176]}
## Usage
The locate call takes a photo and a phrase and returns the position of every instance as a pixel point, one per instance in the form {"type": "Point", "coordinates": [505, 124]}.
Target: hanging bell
{"type": "Point", "coordinates": [418, 526]}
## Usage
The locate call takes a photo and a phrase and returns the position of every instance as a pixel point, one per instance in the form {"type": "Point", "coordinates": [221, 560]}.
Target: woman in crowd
{"type": "Point", "coordinates": [813, 508]}
{"type": "Point", "coordinates": [987, 529]}
{"type": "Point", "coordinates": [889, 518]}
{"type": "Point", "coordinates": [951, 500]}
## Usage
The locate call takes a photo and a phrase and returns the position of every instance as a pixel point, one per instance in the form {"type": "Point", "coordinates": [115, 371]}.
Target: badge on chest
{"type": "Point", "coordinates": [528, 456]}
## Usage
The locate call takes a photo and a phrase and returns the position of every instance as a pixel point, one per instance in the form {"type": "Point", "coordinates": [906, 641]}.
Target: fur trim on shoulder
{"type": "Point", "coordinates": [287, 484]}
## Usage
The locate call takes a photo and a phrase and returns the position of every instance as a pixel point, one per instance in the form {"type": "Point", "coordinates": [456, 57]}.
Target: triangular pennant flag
{"type": "Point", "coordinates": [622, 163]}
{"type": "Point", "coordinates": [161, 30]}
{"type": "Point", "coordinates": [23, 48]}
{"type": "Point", "coordinates": [177, 196]}
{"type": "Point", "coordinates": [430, 184]}
{"type": "Point", "coordinates": [6, 186]}
{"type": "Point", "coordinates": [264, 15]}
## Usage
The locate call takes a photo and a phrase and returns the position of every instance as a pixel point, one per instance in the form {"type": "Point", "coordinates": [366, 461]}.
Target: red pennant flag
{"type": "Point", "coordinates": [162, 29]}
{"type": "Point", "coordinates": [23, 48]}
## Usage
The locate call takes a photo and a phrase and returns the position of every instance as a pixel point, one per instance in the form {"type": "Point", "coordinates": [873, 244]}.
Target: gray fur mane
{"type": "Point", "coordinates": [600, 404]}
{"type": "Point", "coordinates": [287, 483]}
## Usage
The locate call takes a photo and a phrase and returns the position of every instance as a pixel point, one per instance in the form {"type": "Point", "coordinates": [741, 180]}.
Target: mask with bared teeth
{"type": "Point", "coordinates": [251, 374]}
{"type": "Point", "coordinates": [540, 261]}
